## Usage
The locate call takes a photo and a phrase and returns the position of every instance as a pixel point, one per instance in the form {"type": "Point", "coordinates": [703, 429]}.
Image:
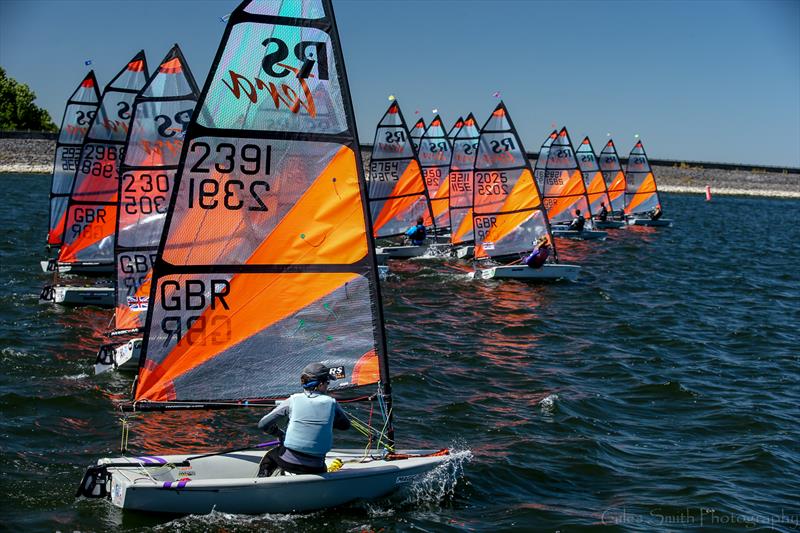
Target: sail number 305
{"type": "Point", "coordinates": [228, 192]}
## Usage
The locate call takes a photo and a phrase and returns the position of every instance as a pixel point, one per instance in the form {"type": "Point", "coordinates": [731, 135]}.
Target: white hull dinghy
{"type": "Point", "coordinates": [584, 235]}
{"type": "Point", "coordinates": [122, 357]}
{"type": "Point", "coordinates": [548, 272]}
{"type": "Point", "coordinates": [464, 252]}
{"type": "Point", "coordinates": [609, 224]}
{"type": "Point", "coordinates": [661, 222]}
{"type": "Point", "coordinates": [77, 268]}
{"type": "Point", "coordinates": [73, 295]}
{"type": "Point", "coordinates": [410, 252]}
{"type": "Point", "coordinates": [228, 483]}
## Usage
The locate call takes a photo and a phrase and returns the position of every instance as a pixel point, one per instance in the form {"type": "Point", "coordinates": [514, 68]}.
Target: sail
{"type": "Point", "coordinates": [541, 159]}
{"type": "Point", "coordinates": [81, 109]}
{"type": "Point", "coordinates": [561, 182]}
{"type": "Point", "coordinates": [451, 135]}
{"type": "Point", "coordinates": [508, 213]}
{"type": "Point", "coordinates": [92, 209]}
{"type": "Point", "coordinates": [161, 113]}
{"type": "Point", "coordinates": [613, 176]}
{"type": "Point", "coordinates": [434, 156]}
{"type": "Point", "coordinates": [417, 132]}
{"type": "Point", "coordinates": [265, 264]}
{"type": "Point", "coordinates": [641, 194]}
{"type": "Point", "coordinates": [397, 194]}
{"type": "Point", "coordinates": [460, 180]}
{"type": "Point", "coordinates": [592, 177]}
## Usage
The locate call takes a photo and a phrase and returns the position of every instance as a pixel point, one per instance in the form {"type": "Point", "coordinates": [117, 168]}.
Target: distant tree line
{"type": "Point", "coordinates": [17, 110]}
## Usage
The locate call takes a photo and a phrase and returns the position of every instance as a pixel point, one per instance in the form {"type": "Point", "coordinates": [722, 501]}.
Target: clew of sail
{"type": "Point", "coordinates": [161, 113]}
{"type": "Point", "coordinates": [265, 263]}
{"type": "Point", "coordinates": [92, 208]}
{"type": "Point", "coordinates": [508, 213]}
{"type": "Point", "coordinates": [460, 180]}
{"type": "Point", "coordinates": [613, 176]}
{"type": "Point", "coordinates": [397, 192]}
{"type": "Point", "coordinates": [434, 156]}
{"type": "Point", "coordinates": [562, 182]}
{"type": "Point", "coordinates": [592, 176]}
{"type": "Point", "coordinates": [641, 193]}
{"type": "Point", "coordinates": [78, 115]}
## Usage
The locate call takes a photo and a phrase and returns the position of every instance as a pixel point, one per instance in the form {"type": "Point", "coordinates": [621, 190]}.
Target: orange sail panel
{"type": "Point", "coordinates": [508, 213]}
{"type": "Point", "coordinates": [434, 156]}
{"type": "Point", "coordinates": [92, 208]}
{"type": "Point", "coordinates": [562, 182]}
{"type": "Point", "coordinates": [161, 113]}
{"type": "Point", "coordinates": [397, 193]}
{"type": "Point", "coordinates": [641, 194]}
{"type": "Point", "coordinates": [266, 263]}
{"type": "Point", "coordinates": [613, 176]}
{"type": "Point", "coordinates": [592, 177]}
{"type": "Point", "coordinates": [78, 115]}
{"type": "Point", "coordinates": [460, 180]}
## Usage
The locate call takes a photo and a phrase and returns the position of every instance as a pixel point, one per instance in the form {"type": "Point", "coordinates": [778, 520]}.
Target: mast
{"type": "Point", "coordinates": [266, 263]}
{"type": "Point", "coordinates": [79, 112]}
{"type": "Point", "coordinates": [435, 152]}
{"type": "Point", "coordinates": [460, 180]}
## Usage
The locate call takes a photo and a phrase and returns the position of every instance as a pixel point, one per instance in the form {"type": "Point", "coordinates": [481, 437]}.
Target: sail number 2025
{"type": "Point", "coordinates": [227, 191]}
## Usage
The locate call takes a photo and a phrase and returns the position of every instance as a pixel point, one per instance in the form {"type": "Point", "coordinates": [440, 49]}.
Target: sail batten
{"type": "Point", "coordinates": [460, 179]}
{"type": "Point", "coordinates": [592, 176]}
{"type": "Point", "coordinates": [435, 152]}
{"type": "Point", "coordinates": [265, 263]}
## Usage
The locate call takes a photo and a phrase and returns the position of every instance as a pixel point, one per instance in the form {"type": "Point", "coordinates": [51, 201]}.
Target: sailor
{"type": "Point", "coordinates": [416, 234]}
{"type": "Point", "coordinates": [577, 222]}
{"type": "Point", "coordinates": [656, 213]}
{"type": "Point", "coordinates": [603, 215]}
{"type": "Point", "coordinates": [539, 254]}
{"type": "Point", "coordinates": [313, 415]}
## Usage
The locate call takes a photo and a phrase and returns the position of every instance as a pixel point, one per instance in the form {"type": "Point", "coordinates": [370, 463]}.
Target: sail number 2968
{"type": "Point", "coordinates": [226, 191]}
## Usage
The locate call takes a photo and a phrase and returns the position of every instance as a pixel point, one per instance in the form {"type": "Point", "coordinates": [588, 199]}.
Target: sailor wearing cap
{"type": "Point", "coordinates": [313, 415]}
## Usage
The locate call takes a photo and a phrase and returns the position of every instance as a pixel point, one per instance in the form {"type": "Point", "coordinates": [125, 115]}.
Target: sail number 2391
{"type": "Point", "coordinates": [226, 191]}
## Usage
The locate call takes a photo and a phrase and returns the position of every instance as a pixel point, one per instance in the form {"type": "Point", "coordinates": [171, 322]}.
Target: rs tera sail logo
{"type": "Point", "coordinates": [277, 63]}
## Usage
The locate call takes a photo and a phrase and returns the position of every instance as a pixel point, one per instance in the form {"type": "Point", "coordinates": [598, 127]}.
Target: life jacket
{"type": "Point", "coordinates": [537, 258]}
{"type": "Point", "coordinates": [310, 427]}
{"type": "Point", "coordinates": [419, 234]}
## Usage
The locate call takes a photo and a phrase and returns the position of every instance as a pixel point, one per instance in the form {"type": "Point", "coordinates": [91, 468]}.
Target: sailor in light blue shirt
{"type": "Point", "coordinates": [313, 415]}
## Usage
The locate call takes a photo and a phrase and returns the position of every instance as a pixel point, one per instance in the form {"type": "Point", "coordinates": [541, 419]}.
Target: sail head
{"type": "Point", "coordinates": [641, 194]}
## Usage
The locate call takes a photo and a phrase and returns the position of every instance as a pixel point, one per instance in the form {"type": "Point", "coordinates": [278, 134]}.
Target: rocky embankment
{"type": "Point", "coordinates": [36, 155]}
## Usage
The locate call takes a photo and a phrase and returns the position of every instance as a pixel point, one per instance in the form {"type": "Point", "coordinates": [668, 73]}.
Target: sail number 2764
{"type": "Point", "coordinates": [226, 191]}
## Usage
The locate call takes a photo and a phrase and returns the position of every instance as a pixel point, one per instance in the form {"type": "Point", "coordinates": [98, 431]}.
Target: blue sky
{"type": "Point", "coordinates": [699, 80]}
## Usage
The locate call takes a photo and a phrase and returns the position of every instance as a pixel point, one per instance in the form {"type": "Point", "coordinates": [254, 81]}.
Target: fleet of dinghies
{"type": "Point", "coordinates": [241, 228]}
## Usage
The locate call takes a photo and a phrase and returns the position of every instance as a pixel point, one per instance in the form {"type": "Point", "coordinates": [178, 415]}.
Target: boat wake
{"type": "Point", "coordinates": [438, 485]}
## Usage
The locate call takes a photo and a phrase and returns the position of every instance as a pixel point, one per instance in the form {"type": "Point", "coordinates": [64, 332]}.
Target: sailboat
{"type": "Point", "coordinates": [564, 190]}
{"type": "Point", "coordinates": [396, 190]}
{"type": "Point", "coordinates": [451, 135]}
{"type": "Point", "coordinates": [508, 213]}
{"type": "Point", "coordinates": [460, 180]}
{"type": "Point", "coordinates": [641, 192]}
{"type": "Point", "coordinates": [417, 132]}
{"type": "Point", "coordinates": [161, 113]}
{"type": "Point", "coordinates": [265, 265]}
{"type": "Point", "coordinates": [434, 156]}
{"type": "Point", "coordinates": [80, 110]}
{"type": "Point", "coordinates": [595, 184]}
{"type": "Point", "coordinates": [614, 177]}
{"type": "Point", "coordinates": [91, 210]}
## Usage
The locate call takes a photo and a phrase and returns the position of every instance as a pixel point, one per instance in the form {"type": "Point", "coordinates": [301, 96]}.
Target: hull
{"type": "Point", "coordinates": [408, 252]}
{"type": "Point", "coordinates": [585, 235]}
{"type": "Point", "coordinates": [381, 258]}
{"type": "Point", "coordinates": [661, 222]}
{"type": "Point", "coordinates": [67, 295]}
{"type": "Point", "coordinates": [464, 252]}
{"type": "Point", "coordinates": [609, 224]}
{"type": "Point", "coordinates": [228, 483]}
{"type": "Point", "coordinates": [77, 268]}
{"type": "Point", "coordinates": [549, 272]}
{"type": "Point", "coordinates": [124, 357]}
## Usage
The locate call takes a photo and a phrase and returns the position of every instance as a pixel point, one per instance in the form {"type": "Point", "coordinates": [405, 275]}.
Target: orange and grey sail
{"type": "Point", "coordinates": [78, 115]}
{"type": "Point", "coordinates": [454, 130]}
{"type": "Point", "coordinates": [161, 113]}
{"type": "Point", "coordinates": [562, 183]}
{"type": "Point", "coordinates": [508, 213]}
{"type": "Point", "coordinates": [434, 156]}
{"type": "Point", "coordinates": [266, 263]}
{"type": "Point", "coordinates": [397, 193]}
{"type": "Point", "coordinates": [614, 176]}
{"type": "Point", "coordinates": [417, 132]}
{"type": "Point", "coordinates": [641, 193]}
{"type": "Point", "coordinates": [92, 210]}
{"type": "Point", "coordinates": [460, 180]}
{"type": "Point", "coordinates": [592, 177]}
{"type": "Point", "coordinates": [541, 159]}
